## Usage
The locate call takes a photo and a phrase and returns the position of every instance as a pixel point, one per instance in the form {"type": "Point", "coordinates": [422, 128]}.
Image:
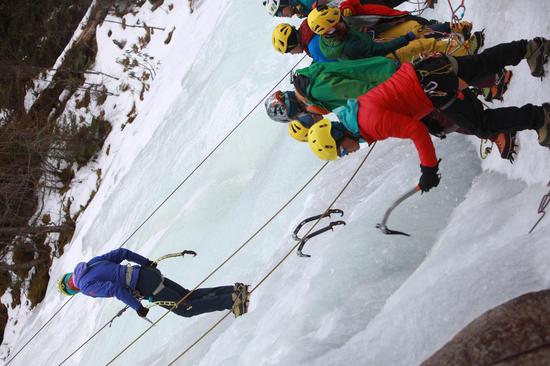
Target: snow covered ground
{"type": "Point", "coordinates": [362, 298]}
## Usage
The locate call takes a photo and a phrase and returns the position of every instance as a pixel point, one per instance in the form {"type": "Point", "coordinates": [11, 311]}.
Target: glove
{"type": "Point", "coordinates": [410, 36]}
{"type": "Point", "coordinates": [142, 311]}
{"type": "Point", "coordinates": [151, 264]}
{"type": "Point", "coordinates": [347, 12]}
{"type": "Point", "coordinates": [429, 178]}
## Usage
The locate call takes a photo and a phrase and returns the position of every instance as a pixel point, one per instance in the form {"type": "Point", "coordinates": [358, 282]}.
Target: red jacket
{"type": "Point", "coordinates": [370, 9]}
{"type": "Point", "coordinates": [394, 109]}
{"type": "Point", "coordinates": [306, 34]}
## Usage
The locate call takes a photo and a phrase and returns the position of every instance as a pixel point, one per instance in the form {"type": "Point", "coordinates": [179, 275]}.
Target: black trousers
{"type": "Point", "coordinates": [202, 300]}
{"type": "Point", "coordinates": [467, 111]}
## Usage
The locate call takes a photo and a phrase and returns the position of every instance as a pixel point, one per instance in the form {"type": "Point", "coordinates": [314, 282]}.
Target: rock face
{"type": "Point", "coordinates": [514, 333]}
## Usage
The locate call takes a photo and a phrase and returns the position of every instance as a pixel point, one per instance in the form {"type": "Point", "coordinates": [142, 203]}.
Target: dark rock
{"type": "Point", "coordinates": [514, 333]}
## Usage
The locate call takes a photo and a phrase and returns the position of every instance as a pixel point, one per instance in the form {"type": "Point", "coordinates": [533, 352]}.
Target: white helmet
{"type": "Point", "coordinates": [272, 6]}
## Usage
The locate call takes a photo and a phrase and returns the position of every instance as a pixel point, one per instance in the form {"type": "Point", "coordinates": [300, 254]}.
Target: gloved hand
{"type": "Point", "coordinates": [142, 311]}
{"type": "Point", "coordinates": [410, 36]}
{"type": "Point", "coordinates": [429, 178]}
{"type": "Point", "coordinates": [347, 12]}
{"type": "Point", "coordinates": [151, 264]}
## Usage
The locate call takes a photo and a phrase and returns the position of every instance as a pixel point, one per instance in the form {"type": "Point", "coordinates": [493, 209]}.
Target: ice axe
{"type": "Point", "coordinates": [173, 255]}
{"type": "Point", "coordinates": [317, 232]}
{"type": "Point", "coordinates": [382, 226]}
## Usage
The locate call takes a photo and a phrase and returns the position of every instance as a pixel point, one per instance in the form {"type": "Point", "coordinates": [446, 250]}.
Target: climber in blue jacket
{"type": "Point", "coordinates": [104, 276]}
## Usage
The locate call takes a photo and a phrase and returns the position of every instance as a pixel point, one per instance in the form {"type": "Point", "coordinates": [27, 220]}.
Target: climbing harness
{"type": "Point", "coordinates": [165, 303]}
{"type": "Point", "coordinates": [382, 226]}
{"type": "Point", "coordinates": [161, 285]}
{"type": "Point", "coordinates": [317, 232]}
{"type": "Point", "coordinates": [542, 207]}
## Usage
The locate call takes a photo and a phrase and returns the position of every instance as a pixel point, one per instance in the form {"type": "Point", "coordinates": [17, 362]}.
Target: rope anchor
{"type": "Point", "coordinates": [317, 232]}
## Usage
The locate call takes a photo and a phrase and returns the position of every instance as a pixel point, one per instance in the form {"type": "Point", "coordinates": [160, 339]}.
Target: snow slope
{"type": "Point", "coordinates": [363, 298]}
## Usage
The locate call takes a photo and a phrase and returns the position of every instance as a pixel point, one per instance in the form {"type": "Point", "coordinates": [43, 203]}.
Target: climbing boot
{"type": "Point", "coordinates": [503, 78]}
{"type": "Point", "coordinates": [506, 144]}
{"type": "Point", "coordinates": [544, 131]}
{"type": "Point", "coordinates": [536, 55]}
{"type": "Point", "coordinates": [240, 298]}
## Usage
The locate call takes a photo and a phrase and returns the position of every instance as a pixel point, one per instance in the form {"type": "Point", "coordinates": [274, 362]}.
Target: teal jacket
{"type": "Point", "coordinates": [356, 45]}
{"type": "Point", "coordinates": [307, 3]}
{"type": "Point", "coordinates": [331, 84]}
{"type": "Point", "coordinates": [347, 115]}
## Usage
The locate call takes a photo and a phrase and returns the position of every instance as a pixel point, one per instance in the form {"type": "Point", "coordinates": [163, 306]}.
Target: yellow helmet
{"type": "Point", "coordinates": [321, 142]}
{"type": "Point", "coordinates": [321, 21]}
{"type": "Point", "coordinates": [284, 37]}
{"type": "Point", "coordinates": [297, 130]}
{"type": "Point", "coordinates": [64, 283]}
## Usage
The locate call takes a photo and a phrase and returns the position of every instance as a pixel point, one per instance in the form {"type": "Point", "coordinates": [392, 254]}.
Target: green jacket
{"type": "Point", "coordinates": [356, 45]}
{"type": "Point", "coordinates": [331, 84]}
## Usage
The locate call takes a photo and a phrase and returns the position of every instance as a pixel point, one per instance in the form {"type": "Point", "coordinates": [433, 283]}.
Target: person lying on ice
{"type": "Point", "coordinates": [341, 41]}
{"type": "Point", "coordinates": [104, 276]}
{"type": "Point", "coordinates": [323, 87]}
{"type": "Point", "coordinates": [395, 107]}
{"type": "Point", "coordinates": [288, 39]}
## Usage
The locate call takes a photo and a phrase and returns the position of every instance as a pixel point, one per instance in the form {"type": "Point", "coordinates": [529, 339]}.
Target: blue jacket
{"type": "Point", "coordinates": [104, 276]}
{"type": "Point", "coordinates": [315, 50]}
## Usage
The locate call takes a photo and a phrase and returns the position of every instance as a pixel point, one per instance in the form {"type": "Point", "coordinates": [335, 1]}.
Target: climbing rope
{"type": "Point", "coordinates": [39, 330]}
{"type": "Point", "coordinates": [216, 269]}
{"type": "Point", "coordinates": [285, 257]}
{"type": "Point", "coordinates": [109, 323]}
{"type": "Point", "coordinates": [171, 194]}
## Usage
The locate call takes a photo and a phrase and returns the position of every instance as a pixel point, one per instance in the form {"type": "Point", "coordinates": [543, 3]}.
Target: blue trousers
{"type": "Point", "coordinates": [202, 300]}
